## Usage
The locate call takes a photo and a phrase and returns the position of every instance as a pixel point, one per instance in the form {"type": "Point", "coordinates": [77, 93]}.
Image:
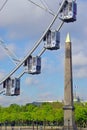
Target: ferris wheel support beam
{"type": "Point", "coordinates": [60, 26]}
{"type": "Point", "coordinates": [42, 51]}
{"type": "Point", "coordinates": [23, 72]}
{"type": "Point", "coordinates": [36, 44]}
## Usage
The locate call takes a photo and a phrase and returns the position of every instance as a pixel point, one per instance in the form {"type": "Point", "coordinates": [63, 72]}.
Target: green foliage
{"type": "Point", "coordinates": [81, 114]}
{"type": "Point", "coordinates": [46, 112]}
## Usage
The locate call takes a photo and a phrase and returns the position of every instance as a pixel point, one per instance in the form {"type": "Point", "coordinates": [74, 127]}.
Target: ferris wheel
{"type": "Point", "coordinates": [31, 64]}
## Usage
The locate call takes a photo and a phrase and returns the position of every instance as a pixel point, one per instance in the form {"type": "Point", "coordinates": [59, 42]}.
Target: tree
{"type": "Point", "coordinates": [81, 115]}
{"type": "Point", "coordinates": [59, 116]}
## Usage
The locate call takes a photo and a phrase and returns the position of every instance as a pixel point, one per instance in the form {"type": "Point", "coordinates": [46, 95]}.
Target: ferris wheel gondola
{"type": "Point", "coordinates": [33, 65]}
{"type": "Point", "coordinates": [11, 87]}
{"type": "Point", "coordinates": [52, 40]}
{"type": "Point", "coordinates": [69, 11]}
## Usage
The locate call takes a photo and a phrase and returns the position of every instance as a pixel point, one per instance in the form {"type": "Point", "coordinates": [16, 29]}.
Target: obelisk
{"type": "Point", "coordinates": [69, 123]}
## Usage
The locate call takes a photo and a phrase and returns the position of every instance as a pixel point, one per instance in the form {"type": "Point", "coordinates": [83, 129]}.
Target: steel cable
{"type": "Point", "coordinates": [3, 5]}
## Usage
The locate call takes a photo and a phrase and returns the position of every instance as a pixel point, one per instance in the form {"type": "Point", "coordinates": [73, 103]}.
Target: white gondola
{"type": "Point", "coordinates": [69, 11]}
{"type": "Point", "coordinates": [33, 65]}
{"type": "Point", "coordinates": [52, 40]}
{"type": "Point", "coordinates": [12, 87]}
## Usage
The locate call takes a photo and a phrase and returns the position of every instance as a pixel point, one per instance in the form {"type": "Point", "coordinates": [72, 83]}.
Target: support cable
{"type": "Point", "coordinates": [46, 6]}
{"type": "Point", "coordinates": [11, 55]}
{"type": "Point", "coordinates": [36, 44]}
{"type": "Point", "coordinates": [3, 5]}
{"type": "Point", "coordinates": [2, 91]}
{"type": "Point", "coordinates": [42, 7]}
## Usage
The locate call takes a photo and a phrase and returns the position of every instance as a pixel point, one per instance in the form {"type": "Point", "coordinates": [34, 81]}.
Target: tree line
{"type": "Point", "coordinates": [42, 114]}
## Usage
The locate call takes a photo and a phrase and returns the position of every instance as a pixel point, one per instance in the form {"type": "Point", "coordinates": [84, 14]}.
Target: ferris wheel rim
{"type": "Point", "coordinates": [35, 45]}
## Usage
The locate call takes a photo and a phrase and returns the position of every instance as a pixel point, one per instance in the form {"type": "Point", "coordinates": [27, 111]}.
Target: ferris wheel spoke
{"type": "Point", "coordinates": [44, 8]}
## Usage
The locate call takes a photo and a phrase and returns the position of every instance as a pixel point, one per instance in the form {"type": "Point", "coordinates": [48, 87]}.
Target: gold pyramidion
{"type": "Point", "coordinates": [68, 39]}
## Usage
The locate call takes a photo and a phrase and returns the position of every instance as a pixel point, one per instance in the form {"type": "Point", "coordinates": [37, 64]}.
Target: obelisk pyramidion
{"type": "Point", "coordinates": [69, 123]}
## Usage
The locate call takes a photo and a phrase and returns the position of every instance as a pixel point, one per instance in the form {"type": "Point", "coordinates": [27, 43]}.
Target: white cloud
{"type": "Point", "coordinates": [22, 19]}
{"type": "Point", "coordinates": [31, 81]}
{"type": "Point", "coordinates": [46, 96]}
{"type": "Point", "coordinates": [48, 64]}
{"type": "Point", "coordinates": [7, 100]}
{"type": "Point", "coordinates": [80, 72]}
{"type": "Point", "coordinates": [79, 59]}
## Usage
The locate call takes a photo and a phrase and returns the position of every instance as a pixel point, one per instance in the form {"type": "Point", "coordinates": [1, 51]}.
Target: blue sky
{"type": "Point", "coordinates": [21, 25]}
